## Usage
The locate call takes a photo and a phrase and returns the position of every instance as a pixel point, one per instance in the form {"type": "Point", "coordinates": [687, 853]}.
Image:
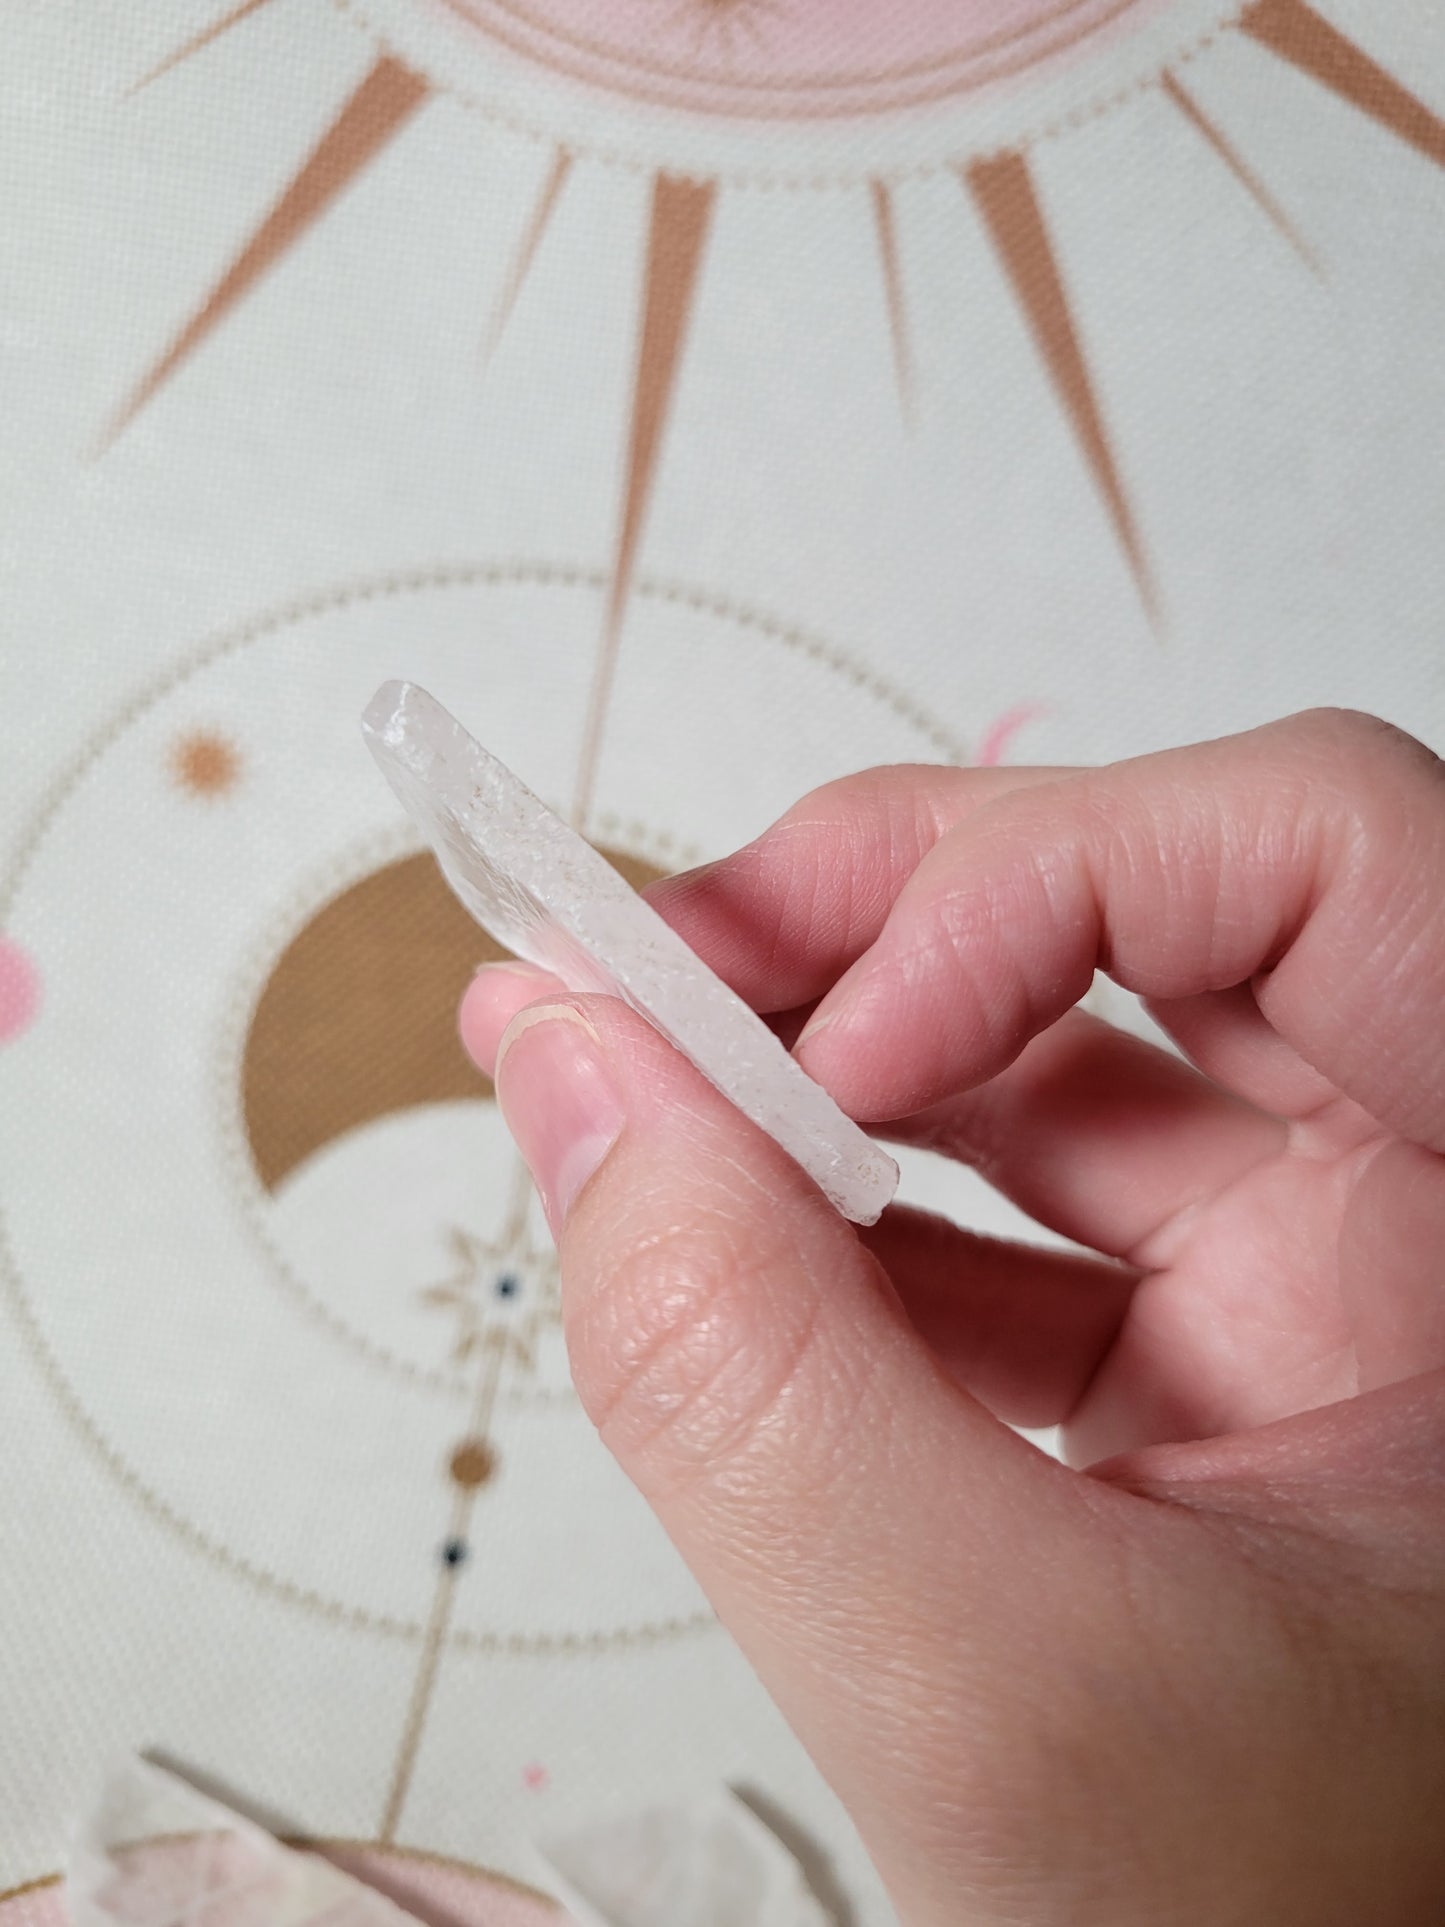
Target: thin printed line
{"type": "Point", "coordinates": [433, 1640]}
{"type": "Point", "coordinates": [1175, 91]}
{"type": "Point", "coordinates": [893, 294]}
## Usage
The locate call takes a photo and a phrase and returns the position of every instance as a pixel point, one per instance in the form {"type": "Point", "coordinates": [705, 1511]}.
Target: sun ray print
{"type": "Point", "coordinates": [1293, 30]}
{"type": "Point", "coordinates": [677, 232]}
{"type": "Point", "coordinates": [198, 40]}
{"type": "Point", "coordinates": [532, 236]}
{"type": "Point", "coordinates": [887, 231]}
{"type": "Point", "coordinates": [1179, 95]}
{"type": "Point", "coordinates": [373, 114]}
{"type": "Point", "coordinates": [1003, 191]}
{"type": "Point", "coordinates": [1000, 182]}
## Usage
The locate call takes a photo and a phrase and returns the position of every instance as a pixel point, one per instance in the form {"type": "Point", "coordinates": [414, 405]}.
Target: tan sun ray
{"type": "Point", "coordinates": [1294, 31]}
{"type": "Point", "coordinates": [1003, 191]}
{"type": "Point", "coordinates": [196, 42]}
{"type": "Point", "coordinates": [527, 250]}
{"type": "Point", "coordinates": [893, 293]}
{"type": "Point", "coordinates": [373, 114]}
{"type": "Point", "coordinates": [1176, 92]}
{"type": "Point", "coordinates": [677, 231]}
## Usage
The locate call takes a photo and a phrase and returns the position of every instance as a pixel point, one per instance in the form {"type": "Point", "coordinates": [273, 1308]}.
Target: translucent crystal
{"type": "Point", "coordinates": [710, 1864]}
{"type": "Point", "coordinates": [153, 1852]}
{"type": "Point", "coordinates": [544, 892]}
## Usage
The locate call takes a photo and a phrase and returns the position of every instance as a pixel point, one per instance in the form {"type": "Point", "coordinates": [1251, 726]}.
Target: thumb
{"type": "Point", "coordinates": [887, 1554]}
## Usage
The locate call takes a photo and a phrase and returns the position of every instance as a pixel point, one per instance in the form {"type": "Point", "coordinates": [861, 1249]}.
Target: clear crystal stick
{"type": "Point", "coordinates": [542, 891]}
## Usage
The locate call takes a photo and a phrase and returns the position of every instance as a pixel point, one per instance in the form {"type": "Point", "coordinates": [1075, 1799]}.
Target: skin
{"type": "Point", "coordinates": [1197, 1675]}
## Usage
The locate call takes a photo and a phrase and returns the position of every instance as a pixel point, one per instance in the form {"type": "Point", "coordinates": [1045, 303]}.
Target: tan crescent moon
{"type": "Point", "coordinates": [358, 1017]}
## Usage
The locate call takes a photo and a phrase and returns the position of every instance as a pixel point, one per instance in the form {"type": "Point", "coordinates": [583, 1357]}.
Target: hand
{"type": "Point", "coordinates": [1204, 1680]}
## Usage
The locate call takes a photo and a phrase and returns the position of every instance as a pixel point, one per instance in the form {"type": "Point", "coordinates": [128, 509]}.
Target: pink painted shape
{"type": "Point", "coordinates": [802, 57]}
{"type": "Point", "coordinates": [44, 1907]}
{"type": "Point", "coordinates": [1000, 733]}
{"type": "Point", "coordinates": [441, 1893]}
{"type": "Point", "coordinates": [438, 1892]}
{"type": "Point", "coordinates": [19, 990]}
{"type": "Point", "coordinates": [152, 1884]}
{"type": "Point", "coordinates": [756, 39]}
{"type": "Point", "coordinates": [534, 1776]}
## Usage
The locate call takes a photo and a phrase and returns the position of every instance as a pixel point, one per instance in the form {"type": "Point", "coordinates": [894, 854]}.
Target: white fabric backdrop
{"type": "Point", "coordinates": [875, 528]}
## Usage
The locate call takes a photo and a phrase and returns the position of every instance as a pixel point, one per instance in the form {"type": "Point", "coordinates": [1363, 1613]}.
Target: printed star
{"type": "Point", "coordinates": [460, 1292]}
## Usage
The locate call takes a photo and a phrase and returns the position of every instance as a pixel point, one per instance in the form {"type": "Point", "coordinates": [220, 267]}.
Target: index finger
{"type": "Point", "coordinates": [1305, 859]}
{"type": "Point", "coordinates": [782, 918]}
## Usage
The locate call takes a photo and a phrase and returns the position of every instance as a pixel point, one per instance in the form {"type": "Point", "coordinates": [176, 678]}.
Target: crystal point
{"type": "Point", "coordinates": [541, 890]}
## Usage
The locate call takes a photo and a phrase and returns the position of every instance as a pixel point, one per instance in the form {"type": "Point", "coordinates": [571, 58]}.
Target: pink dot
{"type": "Point", "coordinates": [999, 734]}
{"type": "Point", "coordinates": [19, 990]}
{"type": "Point", "coordinates": [534, 1777]}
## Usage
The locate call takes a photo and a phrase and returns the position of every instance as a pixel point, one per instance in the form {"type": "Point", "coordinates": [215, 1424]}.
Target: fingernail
{"type": "Point", "coordinates": [510, 966]}
{"type": "Point", "coordinates": [811, 1029]}
{"type": "Point", "coordinates": [560, 1100]}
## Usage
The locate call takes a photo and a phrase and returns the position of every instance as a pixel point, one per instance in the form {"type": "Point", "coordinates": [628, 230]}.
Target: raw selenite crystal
{"type": "Point", "coordinates": [541, 890]}
{"type": "Point", "coordinates": [152, 1852]}
{"type": "Point", "coordinates": [710, 1864]}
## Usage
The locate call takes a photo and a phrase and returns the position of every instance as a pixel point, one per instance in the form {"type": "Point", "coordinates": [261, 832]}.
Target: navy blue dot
{"type": "Point", "coordinates": [454, 1551]}
{"type": "Point", "coordinates": [508, 1285]}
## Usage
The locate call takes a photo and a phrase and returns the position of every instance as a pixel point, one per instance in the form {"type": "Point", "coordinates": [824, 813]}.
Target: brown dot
{"type": "Point", "coordinates": [473, 1463]}
{"type": "Point", "coordinates": [205, 764]}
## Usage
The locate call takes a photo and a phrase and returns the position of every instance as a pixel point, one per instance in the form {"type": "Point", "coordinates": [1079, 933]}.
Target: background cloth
{"type": "Point", "coordinates": [702, 398]}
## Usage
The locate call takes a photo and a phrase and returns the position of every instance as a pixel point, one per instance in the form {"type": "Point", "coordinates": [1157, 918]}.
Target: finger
{"type": "Point", "coordinates": [1228, 1036]}
{"type": "Point", "coordinates": [500, 990]}
{"type": "Point", "coordinates": [783, 917]}
{"type": "Point", "coordinates": [490, 1002]}
{"type": "Point", "coordinates": [1022, 1329]}
{"type": "Point", "coordinates": [1099, 1135]}
{"type": "Point", "coordinates": [883, 1549]}
{"type": "Point", "coordinates": [1366, 1471]}
{"type": "Point", "coordinates": [1093, 1133]}
{"type": "Point", "coordinates": [1304, 859]}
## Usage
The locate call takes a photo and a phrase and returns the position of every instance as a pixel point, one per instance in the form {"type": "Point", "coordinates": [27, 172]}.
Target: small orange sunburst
{"type": "Point", "coordinates": [205, 763]}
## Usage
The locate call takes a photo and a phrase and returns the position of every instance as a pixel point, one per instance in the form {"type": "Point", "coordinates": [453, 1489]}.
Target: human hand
{"type": "Point", "coordinates": [1203, 1681]}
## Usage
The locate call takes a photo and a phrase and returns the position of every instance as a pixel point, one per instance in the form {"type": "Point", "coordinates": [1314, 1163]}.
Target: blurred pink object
{"type": "Point", "coordinates": [19, 990]}
{"type": "Point", "coordinates": [152, 1851]}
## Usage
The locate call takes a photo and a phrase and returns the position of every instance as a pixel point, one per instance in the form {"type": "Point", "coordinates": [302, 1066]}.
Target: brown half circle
{"type": "Point", "coordinates": [358, 1018]}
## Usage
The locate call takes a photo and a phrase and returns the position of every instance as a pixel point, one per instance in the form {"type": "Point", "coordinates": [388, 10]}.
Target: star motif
{"type": "Point", "coordinates": [460, 1292]}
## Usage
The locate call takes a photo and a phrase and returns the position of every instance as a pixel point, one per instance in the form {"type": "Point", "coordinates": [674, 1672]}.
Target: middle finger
{"type": "Point", "coordinates": [1100, 1136]}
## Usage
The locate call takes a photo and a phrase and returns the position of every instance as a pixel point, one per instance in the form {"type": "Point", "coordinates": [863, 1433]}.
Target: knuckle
{"type": "Point", "coordinates": [827, 862]}
{"type": "Point", "coordinates": [682, 1345]}
{"type": "Point", "coordinates": [863, 793]}
{"type": "Point", "coordinates": [1371, 795]}
{"type": "Point", "coordinates": [803, 879]}
{"type": "Point", "coordinates": [1348, 743]}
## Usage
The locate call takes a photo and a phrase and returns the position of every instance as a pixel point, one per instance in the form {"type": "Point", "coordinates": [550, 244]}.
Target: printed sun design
{"type": "Point", "coordinates": [729, 21]}
{"type": "Point", "coordinates": [736, 63]}
{"type": "Point", "coordinates": [792, 59]}
{"type": "Point", "coordinates": [205, 763]}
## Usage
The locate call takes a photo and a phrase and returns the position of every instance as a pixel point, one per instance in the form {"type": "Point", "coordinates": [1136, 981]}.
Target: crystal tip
{"type": "Point", "coordinates": [384, 717]}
